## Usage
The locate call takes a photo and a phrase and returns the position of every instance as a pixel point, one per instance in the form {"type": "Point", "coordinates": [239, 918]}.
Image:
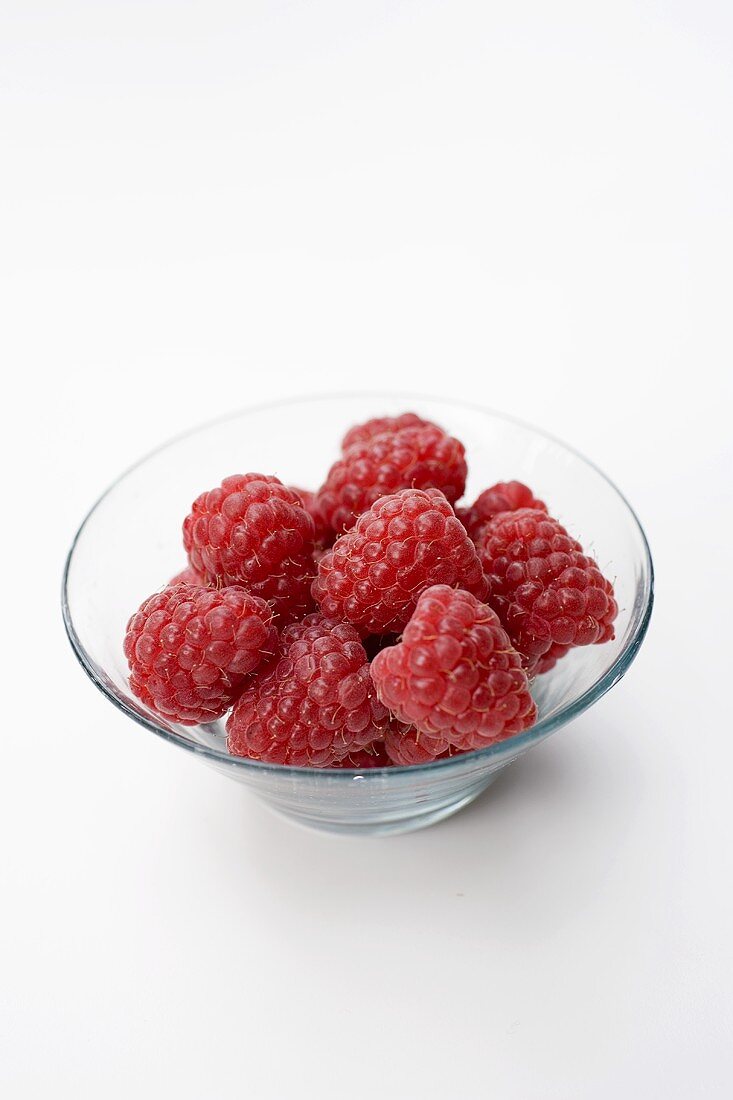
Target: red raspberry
{"type": "Point", "coordinates": [548, 660]}
{"type": "Point", "coordinates": [374, 573]}
{"type": "Point", "coordinates": [455, 675]}
{"type": "Point", "coordinates": [505, 496]}
{"type": "Point", "coordinates": [189, 649]}
{"type": "Point", "coordinates": [373, 756]}
{"type": "Point", "coordinates": [254, 531]}
{"type": "Point", "coordinates": [324, 535]}
{"type": "Point", "coordinates": [314, 706]}
{"type": "Point", "coordinates": [413, 458]}
{"type": "Point", "coordinates": [544, 588]}
{"type": "Point", "coordinates": [362, 433]}
{"type": "Point", "coordinates": [406, 745]}
{"type": "Point", "coordinates": [188, 576]}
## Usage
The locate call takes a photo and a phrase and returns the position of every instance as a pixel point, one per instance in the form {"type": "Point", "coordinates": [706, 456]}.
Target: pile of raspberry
{"type": "Point", "coordinates": [371, 623]}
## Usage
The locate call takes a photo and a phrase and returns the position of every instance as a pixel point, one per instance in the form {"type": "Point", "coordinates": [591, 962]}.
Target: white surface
{"type": "Point", "coordinates": [207, 205]}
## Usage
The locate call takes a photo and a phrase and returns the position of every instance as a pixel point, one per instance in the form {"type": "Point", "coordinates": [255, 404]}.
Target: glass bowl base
{"type": "Point", "coordinates": [384, 827]}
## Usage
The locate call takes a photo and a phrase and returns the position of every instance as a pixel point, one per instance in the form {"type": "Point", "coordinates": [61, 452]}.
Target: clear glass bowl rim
{"type": "Point", "coordinates": [517, 744]}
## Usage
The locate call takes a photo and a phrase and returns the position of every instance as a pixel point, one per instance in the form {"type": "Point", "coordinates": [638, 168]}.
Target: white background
{"type": "Point", "coordinates": [204, 205]}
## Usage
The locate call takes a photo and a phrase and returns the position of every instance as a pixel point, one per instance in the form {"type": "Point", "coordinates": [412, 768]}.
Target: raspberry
{"type": "Point", "coordinates": [455, 675]}
{"type": "Point", "coordinates": [544, 588]}
{"type": "Point", "coordinates": [254, 531]}
{"type": "Point", "coordinates": [505, 496]}
{"type": "Point", "coordinates": [324, 535]}
{"type": "Point", "coordinates": [548, 660]}
{"type": "Point", "coordinates": [416, 458]}
{"type": "Point", "coordinates": [405, 745]}
{"type": "Point", "coordinates": [362, 433]}
{"type": "Point", "coordinates": [189, 649]}
{"type": "Point", "coordinates": [373, 756]}
{"type": "Point", "coordinates": [406, 542]}
{"type": "Point", "coordinates": [315, 706]}
{"type": "Point", "coordinates": [188, 576]}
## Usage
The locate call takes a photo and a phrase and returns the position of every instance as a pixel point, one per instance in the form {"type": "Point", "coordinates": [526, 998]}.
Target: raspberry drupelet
{"type": "Point", "coordinates": [505, 496]}
{"type": "Point", "coordinates": [254, 531]}
{"type": "Point", "coordinates": [373, 756]}
{"type": "Point", "coordinates": [190, 649]}
{"type": "Point", "coordinates": [314, 706]}
{"type": "Point", "coordinates": [412, 458]}
{"type": "Point", "coordinates": [405, 745]}
{"type": "Point", "coordinates": [404, 543]}
{"type": "Point", "coordinates": [545, 589]}
{"type": "Point", "coordinates": [455, 675]}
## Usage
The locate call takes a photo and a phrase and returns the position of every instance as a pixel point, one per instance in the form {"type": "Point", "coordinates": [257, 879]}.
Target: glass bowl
{"type": "Point", "coordinates": [130, 544]}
